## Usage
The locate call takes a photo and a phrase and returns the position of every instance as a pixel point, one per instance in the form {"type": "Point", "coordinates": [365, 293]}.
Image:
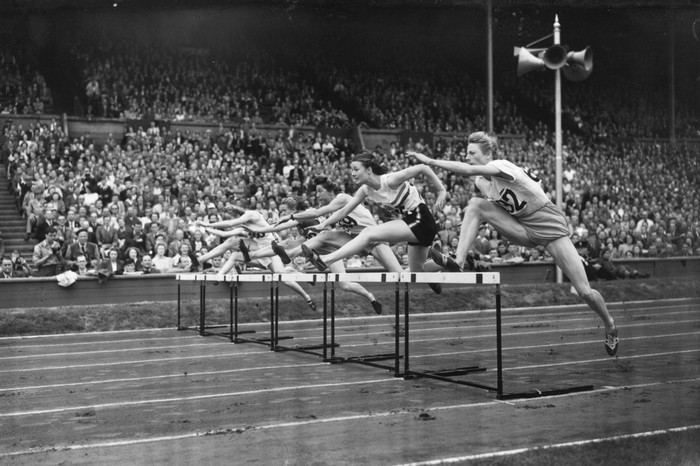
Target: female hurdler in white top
{"type": "Point", "coordinates": [521, 211]}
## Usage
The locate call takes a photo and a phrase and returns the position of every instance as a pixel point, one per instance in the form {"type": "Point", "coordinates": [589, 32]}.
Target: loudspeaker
{"type": "Point", "coordinates": [579, 65]}
{"type": "Point", "coordinates": [527, 61]}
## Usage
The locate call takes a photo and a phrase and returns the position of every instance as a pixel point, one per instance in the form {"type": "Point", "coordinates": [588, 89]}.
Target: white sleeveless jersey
{"type": "Point", "coordinates": [262, 239]}
{"type": "Point", "coordinates": [357, 220]}
{"type": "Point", "coordinates": [404, 199]}
{"type": "Point", "coordinates": [520, 195]}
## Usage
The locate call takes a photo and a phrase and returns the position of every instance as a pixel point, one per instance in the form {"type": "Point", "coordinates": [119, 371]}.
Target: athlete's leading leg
{"type": "Point", "coordinates": [394, 231]}
{"type": "Point", "coordinates": [480, 210]}
{"type": "Point", "coordinates": [230, 243]}
{"type": "Point", "coordinates": [385, 256]}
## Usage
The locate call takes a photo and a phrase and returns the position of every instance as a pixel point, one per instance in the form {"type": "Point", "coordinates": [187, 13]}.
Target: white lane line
{"type": "Point", "coordinates": [180, 399]}
{"type": "Point", "coordinates": [515, 334]}
{"type": "Point", "coordinates": [267, 352]}
{"type": "Point", "coordinates": [341, 336]}
{"type": "Point", "coordinates": [142, 361]}
{"type": "Point", "coordinates": [161, 377]}
{"type": "Point", "coordinates": [140, 349]}
{"type": "Point", "coordinates": [422, 356]}
{"type": "Point", "coordinates": [588, 361]}
{"type": "Point", "coordinates": [574, 309]}
{"type": "Point", "coordinates": [578, 443]}
{"type": "Point", "coordinates": [357, 417]}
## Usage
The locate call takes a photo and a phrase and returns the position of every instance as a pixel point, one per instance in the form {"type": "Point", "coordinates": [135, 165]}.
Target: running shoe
{"type": "Point", "coordinates": [279, 250]}
{"type": "Point", "coordinates": [377, 307]}
{"type": "Point", "coordinates": [471, 263]}
{"type": "Point", "coordinates": [611, 342]}
{"type": "Point", "coordinates": [313, 257]}
{"type": "Point", "coordinates": [244, 250]}
{"type": "Point", "coordinates": [436, 287]}
{"type": "Point", "coordinates": [443, 260]}
{"type": "Point", "coordinates": [312, 305]}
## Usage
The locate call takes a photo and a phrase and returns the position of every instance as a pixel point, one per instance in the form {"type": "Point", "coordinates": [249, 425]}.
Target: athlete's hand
{"type": "Point", "coordinates": [440, 200]}
{"type": "Point", "coordinates": [286, 218]}
{"type": "Point", "coordinates": [316, 228]}
{"type": "Point", "coordinates": [420, 157]}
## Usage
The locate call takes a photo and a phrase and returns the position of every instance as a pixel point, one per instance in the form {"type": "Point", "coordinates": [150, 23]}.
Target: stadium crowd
{"type": "Point", "coordinates": [91, 205]}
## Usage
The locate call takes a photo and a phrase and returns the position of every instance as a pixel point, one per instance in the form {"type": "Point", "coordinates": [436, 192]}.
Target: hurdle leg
{"type": "Point", "coordinates": [202, 304]}
{"type": "Point", "coordinates": [333, 344]}
{"type": "Point", "coordinates": [235, 312]}
{"type": "Point", "coordinates": [275, 316]}
{"type": "Point", "coordinates": [230, 312]}
{"type": "Point", "coordinates": [499, 345]}
{"type": "Point", "coordinates": [397, 311]}
{"type": "Point", "coordinates": [325, 323]}
{"type": "Point", "coordinates": [405, 335]}
{"type": "Point", "coordinates": [179, 327]}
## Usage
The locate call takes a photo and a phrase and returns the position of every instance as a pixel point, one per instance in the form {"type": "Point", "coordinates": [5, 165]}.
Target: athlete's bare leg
{"type": "Point", "coordinates": [567, 258]}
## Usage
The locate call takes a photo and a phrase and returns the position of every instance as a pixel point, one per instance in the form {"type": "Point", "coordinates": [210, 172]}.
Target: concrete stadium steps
{"type": "Point", "coordinates": [12, 224]}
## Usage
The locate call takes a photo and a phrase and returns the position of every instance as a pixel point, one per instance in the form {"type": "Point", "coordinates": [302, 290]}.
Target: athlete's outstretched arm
{"type": "Point", "coordinates": [246, 217]}
{"type": "Point", "coordinates": [337, 203]}
{"type": "Point", "coordinates": [222, 233]}
{"type": "Point", "coordinates": [350, 205]}
{"type": "Point", "coordinates": [396, 178]}
{"type": "Point", "coordinates": [461, 168]}
{"type": "Point", "coordinates": [273, 228]}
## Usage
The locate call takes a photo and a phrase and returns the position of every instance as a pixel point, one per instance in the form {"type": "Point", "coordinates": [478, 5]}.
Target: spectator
{"type": "Point", "coordinates": [107, 233]}
{"type": "Point", "coordinates": [48, 259]}
{"type": "Point", "coordinates": [8, 269]}
{"type": "Point", "coordinates": [81, 267]}
{"type": "Point", "coordinates": [160, 260]}
{"type": "Point", "coordinates": [147, 266]}
{"type": "Point", "coordinates": [83, 247]}
{"type": "Point", "coordinates": [20, 264]}
{"type": "Point", "coordinates": [111, 265]}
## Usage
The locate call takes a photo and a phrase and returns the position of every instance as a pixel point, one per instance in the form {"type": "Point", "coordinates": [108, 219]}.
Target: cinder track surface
{"type": "Point", "coordinates": [174, 397]}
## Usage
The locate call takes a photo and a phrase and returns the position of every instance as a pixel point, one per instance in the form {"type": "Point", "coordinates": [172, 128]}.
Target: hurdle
{"type": "Point", "coordinates": [313, 278]}
{"type": "Point", "coordinates": [374, 360]}
{"type": "Point", "coordinates": [447, 375]}
{"type": "Point", "coordinates": [215, 279]}
{"type": "Point", "coordinates": [399, 279]}
{"type": "Point", "coordinates": [234, 282]}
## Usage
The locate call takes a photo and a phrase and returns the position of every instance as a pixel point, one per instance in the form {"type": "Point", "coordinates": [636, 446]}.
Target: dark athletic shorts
{"type": "Point", "coordinates": [422, 224]}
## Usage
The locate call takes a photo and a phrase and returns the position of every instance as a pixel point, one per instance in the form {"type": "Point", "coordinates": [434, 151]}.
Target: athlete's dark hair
{"type": "Point", "coordinates": [328, 185]}
{"type": "Point", "coordinates": [371, 161]}
{"type": "Point", "coordinates": [290, 202]}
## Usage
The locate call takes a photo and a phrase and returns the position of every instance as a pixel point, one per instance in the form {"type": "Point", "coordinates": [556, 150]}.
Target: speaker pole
{"type": "Point", "coordinates": [557, 131]}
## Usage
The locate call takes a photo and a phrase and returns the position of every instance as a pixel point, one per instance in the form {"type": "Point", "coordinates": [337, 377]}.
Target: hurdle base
{"type": "Point", "coordinates": [205, 333]}
{"type": "Point", "coordinates": [540, 393]}
{"type": "Point", "coordinates": [309, 349]}
{"type": "Point", "coordinates": [446, 372]}
{"type": "Point", "coordinates": [268, 339]}
{"type": "Point", "coordinates": [370, 360]}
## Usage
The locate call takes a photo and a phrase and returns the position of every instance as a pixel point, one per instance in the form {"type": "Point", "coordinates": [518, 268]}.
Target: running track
{"type": "Point", "coordinates": [174, 397]}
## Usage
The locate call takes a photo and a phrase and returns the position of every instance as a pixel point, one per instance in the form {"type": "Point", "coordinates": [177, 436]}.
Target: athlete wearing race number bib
{"type": "Point", "coordinates": [521, 211]}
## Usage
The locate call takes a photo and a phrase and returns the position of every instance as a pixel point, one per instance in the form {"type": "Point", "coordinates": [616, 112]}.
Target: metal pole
{"type": "Point", "coordinates": [672, 78]}
{"type": "Point", "coordinates": [489, 52]}
{"type": "Point", "coordinates": [557, 131]}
